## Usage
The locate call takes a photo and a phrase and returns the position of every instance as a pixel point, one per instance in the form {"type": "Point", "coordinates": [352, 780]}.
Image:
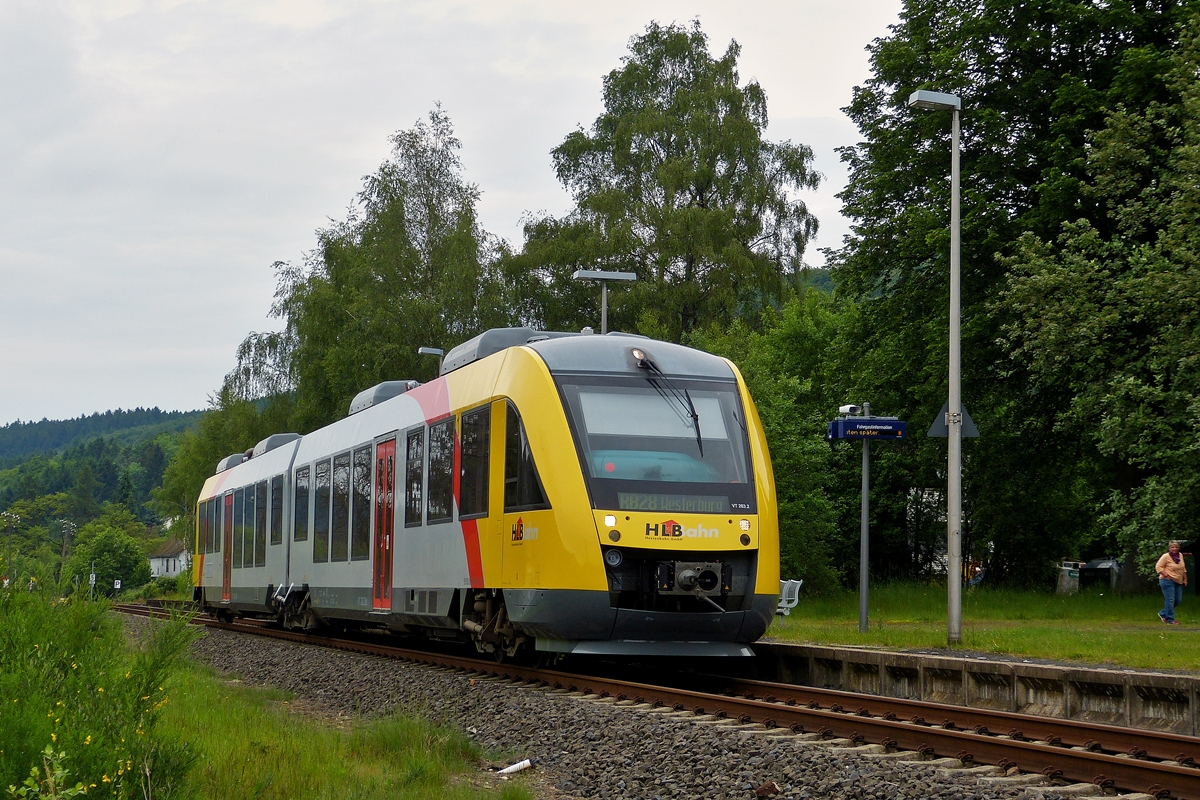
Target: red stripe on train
{"type": "Point", "coordinates": [470, 530]}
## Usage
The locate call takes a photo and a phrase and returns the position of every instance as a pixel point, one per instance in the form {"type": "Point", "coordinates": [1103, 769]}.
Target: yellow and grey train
{"type": "Point", "coordinates": [554, 492]}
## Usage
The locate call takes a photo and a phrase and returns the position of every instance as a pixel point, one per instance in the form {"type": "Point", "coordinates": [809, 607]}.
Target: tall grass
{"type": "Point", "coordinates": [252, 745]}
{"type": "Point", "coordinates": [69, 682]}
{"type": "Point", "coordinates": [1094, 626]}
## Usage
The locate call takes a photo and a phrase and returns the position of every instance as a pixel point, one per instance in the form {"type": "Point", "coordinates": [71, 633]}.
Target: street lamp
{"type": "Point", "coordinates": [939, 101]}
{"type": "Point", "coordinates": [604, 276]}
{"type": "Point", "coordinates": [433, 351]}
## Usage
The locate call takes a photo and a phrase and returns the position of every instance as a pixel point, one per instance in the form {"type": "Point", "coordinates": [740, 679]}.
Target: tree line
{"type": "Point", "coordinates": [91, 504]}
{"type": "Point", "coordinates": [1080, 282]}
{"type": "Point", "coordinates": [21, 439]}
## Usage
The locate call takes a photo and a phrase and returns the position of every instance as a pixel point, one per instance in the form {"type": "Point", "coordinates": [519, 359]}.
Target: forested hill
{"type": "Point", "coordinates": [20, 439]}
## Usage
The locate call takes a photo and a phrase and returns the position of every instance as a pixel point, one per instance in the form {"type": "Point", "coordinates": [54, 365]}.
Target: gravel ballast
{"type": "Point", "coordinates": [585, 749]}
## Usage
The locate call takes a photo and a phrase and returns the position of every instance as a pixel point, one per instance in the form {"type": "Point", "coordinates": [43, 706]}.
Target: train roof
{"type": "Point", "coordinates": [585, 352]}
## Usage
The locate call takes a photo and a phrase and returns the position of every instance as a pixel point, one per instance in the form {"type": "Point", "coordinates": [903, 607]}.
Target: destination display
{"type": "Point", "coordinates": [866, 428]}
{"type": "Point", "coordinates": [683, 503]}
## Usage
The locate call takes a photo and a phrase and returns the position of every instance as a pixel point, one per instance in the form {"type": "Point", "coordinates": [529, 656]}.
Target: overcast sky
{"type": "Point", "coordinates": [157, 157]}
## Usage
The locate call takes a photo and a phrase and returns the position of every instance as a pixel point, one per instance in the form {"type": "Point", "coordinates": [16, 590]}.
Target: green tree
{"type": "Point", "coordinates": [1034, 78]}
{"type": "Point", "coordinates": [231, 426]}
{"type": "Point", "coordinates": [115, 554]}
{"type": "Point", "coordinates": [676, 182]}
{"type": "Point", "coordinates": [84, 505]}
{"type": "Point", "coordinates": [1109, 313]}
{"type": "Point", "coordinates": [124, 495]}
{"type": "Point", "coordinates": [786, 365]}
{"type": "Point", "coordinates": [408, 267]}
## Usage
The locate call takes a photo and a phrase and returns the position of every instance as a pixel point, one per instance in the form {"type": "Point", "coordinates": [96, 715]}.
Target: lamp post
{"type": "Point", "coordinates": [939, 101]}
{"type": "Point", "coordinates": [433, 351]}
{"type": "Point", "coordinates": [604, 276]}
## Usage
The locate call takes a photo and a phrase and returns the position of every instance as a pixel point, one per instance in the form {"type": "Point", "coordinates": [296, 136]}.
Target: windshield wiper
{"type": "Point", "coordinates": [672, 392]}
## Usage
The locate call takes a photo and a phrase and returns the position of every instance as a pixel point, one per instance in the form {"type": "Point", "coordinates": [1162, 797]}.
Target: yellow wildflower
{"type": "Point", "coordinates": [105, 779]}
{"type": "Point", "coordinates": [88, 740]}
{"type": "Point", "coordinates": [54, 737]}
{"type": "Point", "coordinates": [100, 689]}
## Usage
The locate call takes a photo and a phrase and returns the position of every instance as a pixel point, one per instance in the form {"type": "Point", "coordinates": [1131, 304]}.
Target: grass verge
{"type": "Point", "coordinates": [251, 745]}
{"type": "Point", "coordinates": [1091, 626]}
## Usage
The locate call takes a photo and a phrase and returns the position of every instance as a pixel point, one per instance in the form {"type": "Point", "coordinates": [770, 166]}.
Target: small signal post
{"type": "Point", "coordinates": [855, 422]}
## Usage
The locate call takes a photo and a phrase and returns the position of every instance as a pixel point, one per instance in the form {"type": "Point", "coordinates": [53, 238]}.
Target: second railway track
{"type": "Point", "coordinates": [1108, 757]}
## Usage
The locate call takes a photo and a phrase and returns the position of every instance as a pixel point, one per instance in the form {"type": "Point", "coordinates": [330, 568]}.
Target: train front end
{"type": "Point", "coordinates": [682, 501]}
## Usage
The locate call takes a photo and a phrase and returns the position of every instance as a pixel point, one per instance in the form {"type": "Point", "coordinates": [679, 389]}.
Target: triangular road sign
{"type": "Point", "coordinates": [938, 428]}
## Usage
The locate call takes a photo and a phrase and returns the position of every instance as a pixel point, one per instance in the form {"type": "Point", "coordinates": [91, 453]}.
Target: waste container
{"type": "Point", "coordinates": [1100, 571]}
{"type": "Point", "coordinates": [1068, 577]}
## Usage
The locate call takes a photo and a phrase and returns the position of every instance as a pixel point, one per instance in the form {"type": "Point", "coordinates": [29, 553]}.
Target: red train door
{"type": "Point", "coordinates": [227, 556]}
{"type": "Point", "coordinates": [385, 523]}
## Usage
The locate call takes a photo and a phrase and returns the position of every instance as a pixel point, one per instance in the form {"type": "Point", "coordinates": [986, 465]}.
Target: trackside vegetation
{"type": "Point", "coordinates": [264, 749]}
{"type": "Point", "coordinates": [79, 710]}
{"type": "Point", "coordinates": [85, 713]}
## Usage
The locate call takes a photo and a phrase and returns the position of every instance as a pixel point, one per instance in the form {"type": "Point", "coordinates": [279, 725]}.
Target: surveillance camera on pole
{"type": "Point", "coordinates": [852, 410]}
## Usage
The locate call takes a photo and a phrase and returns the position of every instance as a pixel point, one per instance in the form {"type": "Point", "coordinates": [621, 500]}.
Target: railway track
{"type": "Point", "coordinates": [1158, 764]}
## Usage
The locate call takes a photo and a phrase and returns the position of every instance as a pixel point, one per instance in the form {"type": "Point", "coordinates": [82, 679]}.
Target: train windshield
{"type": "Point", "coordinates": [635, 436]}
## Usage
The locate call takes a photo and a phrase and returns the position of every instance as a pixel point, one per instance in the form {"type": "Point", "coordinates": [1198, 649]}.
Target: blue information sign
{"type": "Point", "coordinates": [866, 428]}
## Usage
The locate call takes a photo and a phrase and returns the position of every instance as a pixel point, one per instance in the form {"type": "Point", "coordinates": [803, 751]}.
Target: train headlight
{"type": "Point", "coordinates": [609, 520]}
{"type": "Point", "coordinates": [744, 524]}
{"type": "Point", "coordinates": [613, 558]}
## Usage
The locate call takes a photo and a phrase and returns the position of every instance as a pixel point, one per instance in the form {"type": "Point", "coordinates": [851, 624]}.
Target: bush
{"type": "Point", "coordinates": [69, 682]}
{"type": "Point", "coordinates": [116, 556]}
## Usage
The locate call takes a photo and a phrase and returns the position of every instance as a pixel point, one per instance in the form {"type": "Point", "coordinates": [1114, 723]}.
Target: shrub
{"type": "Point", "coordinates": [68, 681]}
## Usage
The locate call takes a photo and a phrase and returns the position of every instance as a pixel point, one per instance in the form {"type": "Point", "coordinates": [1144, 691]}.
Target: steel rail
{"type": "Point", "coordinates": [1049, 757]}
{"type": "Point", "coordinates": [1093, 736]}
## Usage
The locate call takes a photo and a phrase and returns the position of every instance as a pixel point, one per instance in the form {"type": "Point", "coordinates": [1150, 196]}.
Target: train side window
{"type": "Point", "coordinates": [473, 463]}
{"type": "Point", "coordinates": [206, 521]}
{"type": "Point", "coordinates": [202, 526]}
{"type": "Point", "coordinates": [414, 476]}
{"type": "Point", "coordinates": [277, 510]}
{"type": "Point", "coordinates": [211, 521]}
{"type": "Point", "coordinates": [439, 506]}
{"type": "Point", "coordinates": [360, 507]}
{"type": "Point", "coordinates": [260, 524]}
{"type": "Point", "coordinates": [522, 486]}
{"type": "Point", "coordinates": [300, 506]}
{"type": "Point", "coordinates": [239, 522]}
{"type": "Point", "coordinates": [321, 513]}
{"type": "Point", "coordinates": [338, 547]}
{"type": "Point", "coordinates": [214, 524]}
{"type": "Point", "coordinates": [248, 530]}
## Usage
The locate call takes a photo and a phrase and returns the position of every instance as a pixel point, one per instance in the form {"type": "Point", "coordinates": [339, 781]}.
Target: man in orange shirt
{"type": "Point", "coordinates": [1172, 577]}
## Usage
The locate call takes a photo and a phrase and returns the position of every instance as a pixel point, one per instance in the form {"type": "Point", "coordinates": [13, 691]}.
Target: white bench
{"type": "Point", "coordinates": [789, 596]}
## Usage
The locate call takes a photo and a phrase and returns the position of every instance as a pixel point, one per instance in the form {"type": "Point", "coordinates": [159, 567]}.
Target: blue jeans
{"type": "Point", "coordinates": [1173, 594]}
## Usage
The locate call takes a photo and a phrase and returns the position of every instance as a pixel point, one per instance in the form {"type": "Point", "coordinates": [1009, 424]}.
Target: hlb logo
{"type": "Point", "coordinates": [673, 530]}
{"type": "Point", "coordinates": [522, 534]}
